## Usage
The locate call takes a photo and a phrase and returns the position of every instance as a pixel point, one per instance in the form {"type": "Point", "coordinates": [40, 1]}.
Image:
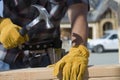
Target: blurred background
{"type": "Point", "coordinates": [103, 39]}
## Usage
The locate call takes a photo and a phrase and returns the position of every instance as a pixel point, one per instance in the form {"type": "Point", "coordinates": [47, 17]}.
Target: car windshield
{"type": "Point", "coordinates": [105, 36]}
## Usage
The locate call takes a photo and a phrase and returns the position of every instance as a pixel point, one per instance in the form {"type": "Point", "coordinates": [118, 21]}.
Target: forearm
{"type": "Point", "coordinates": [78, 18]}
{"type": "Point", "coordinates": [79, 33]}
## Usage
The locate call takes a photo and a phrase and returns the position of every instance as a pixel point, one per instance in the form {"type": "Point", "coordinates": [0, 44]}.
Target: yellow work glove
{"type": "Point", "coordinates": [9, 34]}
{"type": "Point", "coordinates": [74, 64]}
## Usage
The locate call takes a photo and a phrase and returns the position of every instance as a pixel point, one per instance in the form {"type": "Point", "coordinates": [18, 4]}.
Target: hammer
{"type": "Point", "coordinates": [43, 15]}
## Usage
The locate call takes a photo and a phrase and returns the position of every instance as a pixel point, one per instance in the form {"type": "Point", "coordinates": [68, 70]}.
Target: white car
{"type": "Point", "coordinates": [108, 42]}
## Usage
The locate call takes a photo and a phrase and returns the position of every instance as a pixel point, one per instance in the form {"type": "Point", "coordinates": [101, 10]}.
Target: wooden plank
{"type": "Point", "coordinates": [28, 74]}
{"type": "Point", "coordinates": [103, 72]}
{"type": "Point", "coordinates": [105, 78]}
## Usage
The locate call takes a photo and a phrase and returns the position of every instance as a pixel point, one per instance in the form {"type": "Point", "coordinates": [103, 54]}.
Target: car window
{"type": "Point", "coordinates": [114, 36]}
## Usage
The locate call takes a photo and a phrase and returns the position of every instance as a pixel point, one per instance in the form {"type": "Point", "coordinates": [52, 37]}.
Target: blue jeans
{"type": "Point", "coordinates": [4, 66]}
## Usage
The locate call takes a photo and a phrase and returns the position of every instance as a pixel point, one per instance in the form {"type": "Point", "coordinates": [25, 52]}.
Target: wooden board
{"type": "Point", "coordinates": [28, 74]}
{"type": "Point", "coordinates": [103, 72]}
{"type": "Point", "coordinates": [105, 78]}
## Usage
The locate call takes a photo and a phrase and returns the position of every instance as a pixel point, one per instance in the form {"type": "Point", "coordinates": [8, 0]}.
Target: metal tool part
{"type": "Point", "coordinates": [43, 15]}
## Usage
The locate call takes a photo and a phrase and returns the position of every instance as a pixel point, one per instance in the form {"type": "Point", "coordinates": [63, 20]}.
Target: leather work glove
{"type": "Point", "coordinates": [9, 34]}
{"type": "Point", "coordinates": [74, 64]}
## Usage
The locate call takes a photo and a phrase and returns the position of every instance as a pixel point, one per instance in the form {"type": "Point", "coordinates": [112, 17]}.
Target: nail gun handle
{"type": "Point", "coordinates": [23, 31]}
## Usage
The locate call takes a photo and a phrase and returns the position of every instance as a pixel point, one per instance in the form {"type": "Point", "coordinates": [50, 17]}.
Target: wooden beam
{"type": "Point", "coordinates": [28, 74]}
{"type": "Point", "coordinates": [103, 72]}
{"type": "Point", "coordinates": [105, 78]}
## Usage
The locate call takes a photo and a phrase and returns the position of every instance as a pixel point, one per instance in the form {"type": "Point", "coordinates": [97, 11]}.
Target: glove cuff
{"type": "Point", "coordinates": [81, 49]}
{"type": "Point", "coordinates": [4, 22]}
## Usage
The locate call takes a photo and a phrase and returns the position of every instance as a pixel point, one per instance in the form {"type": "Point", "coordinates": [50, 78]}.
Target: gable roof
{"type": "Point", "coordinates": [98, 8]}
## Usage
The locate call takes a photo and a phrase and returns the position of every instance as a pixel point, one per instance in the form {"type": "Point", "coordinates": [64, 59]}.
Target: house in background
{"type": "Point", "coordinates": [101, 17]}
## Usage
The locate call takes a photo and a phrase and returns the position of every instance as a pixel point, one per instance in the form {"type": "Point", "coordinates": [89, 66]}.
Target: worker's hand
{"type": "Point", "coordinates": [9, 34]}
{"type": "Point", "coordinates": [73, 64]}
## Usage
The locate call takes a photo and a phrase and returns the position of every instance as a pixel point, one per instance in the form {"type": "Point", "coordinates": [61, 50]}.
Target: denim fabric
{"type": "Point", "coordinates": [4, 66]}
